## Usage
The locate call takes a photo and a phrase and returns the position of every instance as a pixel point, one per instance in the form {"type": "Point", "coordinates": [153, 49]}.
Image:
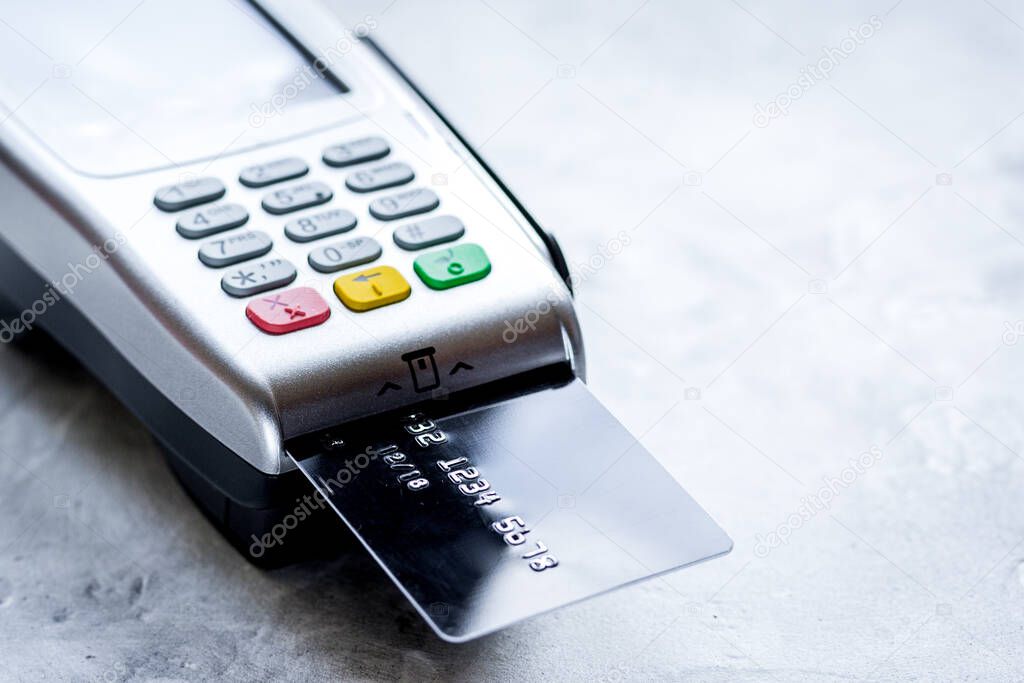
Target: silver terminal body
{"type": "Point", "coordinates": [164, 309]}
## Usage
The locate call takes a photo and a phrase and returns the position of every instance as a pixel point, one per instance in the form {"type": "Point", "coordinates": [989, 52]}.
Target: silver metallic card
{"type": "Point", "coordinates": [485, 515]}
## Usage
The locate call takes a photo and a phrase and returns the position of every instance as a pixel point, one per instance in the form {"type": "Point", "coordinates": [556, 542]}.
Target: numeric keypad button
{"type": "Point", "coordinates": [232, 249]}
{"type": "Point", "coordinates": [297, 197]}
{"type": "Point", "coordinates": [253, 278]}
{"type": "Point", "coordinates": [319, 225]}
{"type": "Point", "coordinates": [261, 175]}
{"type": "Point", "coordinates": [356, 152]}
{"type": "Point", "coordinates": [379, 177]}
{"type": "Point", "coordinates": [189, 193]}
{"type": "Point", "coordinates": [344, 254]}
{"type": "Point", "coordinates": [210, 220]}
{"type": "Point", "coordinates": [404, 204]}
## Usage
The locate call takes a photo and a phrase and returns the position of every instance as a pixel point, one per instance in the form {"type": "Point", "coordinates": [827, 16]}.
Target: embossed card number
{"type": "Point", "coordinates": [425, 431]}
{"type": "Point", "coordinates": [514, 530]}
{"type": "Point", "coordinates": [484, 515]}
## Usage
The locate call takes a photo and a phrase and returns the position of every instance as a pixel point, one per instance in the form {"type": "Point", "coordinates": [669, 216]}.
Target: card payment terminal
{"type": "Point", "coordinates": [263, 238]}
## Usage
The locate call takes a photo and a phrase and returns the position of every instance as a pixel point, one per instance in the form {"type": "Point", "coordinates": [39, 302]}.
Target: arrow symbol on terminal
{"type": "Point", "coordinates": [388, 386]}
{"type": "Point", "coordinates": [365, 277]}
{"type": "Point", "coordinates": [460, 366]}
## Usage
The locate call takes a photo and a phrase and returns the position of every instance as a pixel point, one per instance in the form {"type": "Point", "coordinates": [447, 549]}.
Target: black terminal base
{"type": "Point", "coordinates": [239, 499]}
{"type": "Point", "coordinates": [300, 527]}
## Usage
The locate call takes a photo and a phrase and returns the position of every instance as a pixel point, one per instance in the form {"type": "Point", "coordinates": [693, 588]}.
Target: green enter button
{"type": "Point", "coordinates": [447, 268]}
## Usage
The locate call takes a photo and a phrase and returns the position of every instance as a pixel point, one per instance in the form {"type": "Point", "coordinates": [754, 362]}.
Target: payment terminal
{"type": "Point", "coordinates": [247, 222]}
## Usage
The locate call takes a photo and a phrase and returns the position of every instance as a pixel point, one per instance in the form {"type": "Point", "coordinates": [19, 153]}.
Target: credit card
{"type": "Point", "coordinates": [484, 514]}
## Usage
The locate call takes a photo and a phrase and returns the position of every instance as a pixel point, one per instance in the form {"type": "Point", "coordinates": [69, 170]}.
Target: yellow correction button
{"type": "Point", "coordinates": [371, 288]}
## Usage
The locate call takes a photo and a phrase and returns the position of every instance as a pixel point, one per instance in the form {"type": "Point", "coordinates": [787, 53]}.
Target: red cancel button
{"type": "Point", "coordinates": [287, 311]}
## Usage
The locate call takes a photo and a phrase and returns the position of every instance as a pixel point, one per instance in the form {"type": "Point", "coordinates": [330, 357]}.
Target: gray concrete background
{"type": "Point", "coordinates": [846, 277]}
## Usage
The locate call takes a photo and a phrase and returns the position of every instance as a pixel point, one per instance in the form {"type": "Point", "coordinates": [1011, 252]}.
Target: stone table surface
{"type": "Point", "coordinates": [812, 323]}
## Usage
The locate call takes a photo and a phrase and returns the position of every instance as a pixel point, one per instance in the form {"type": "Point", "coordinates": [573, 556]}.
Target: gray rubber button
{"type": "Point", "coordinates": [319, 225]}
{"type": "Point", "coordinates": [190, 193]}
{"type": "Point", "coordinates": [296, 197]}
{"type": "Point", "coordinates": [356, 152]}
{"type": "Point", "coordinates": [211, 219]}
{"type": "Point", "coordinates": [272, 172]}
{"type": "Point", "coordinates": [235, 248]}
{"type": "Point", "coordinates": [379, 177]}
{"type": "Point", "coordinates": [408, 203]}
{"type": "Point", "coordinates": [345, 254]}
{"type": "Point", "coordinates": [253, 278]}
{"type": "Point", "coordinates": [428, 232]}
